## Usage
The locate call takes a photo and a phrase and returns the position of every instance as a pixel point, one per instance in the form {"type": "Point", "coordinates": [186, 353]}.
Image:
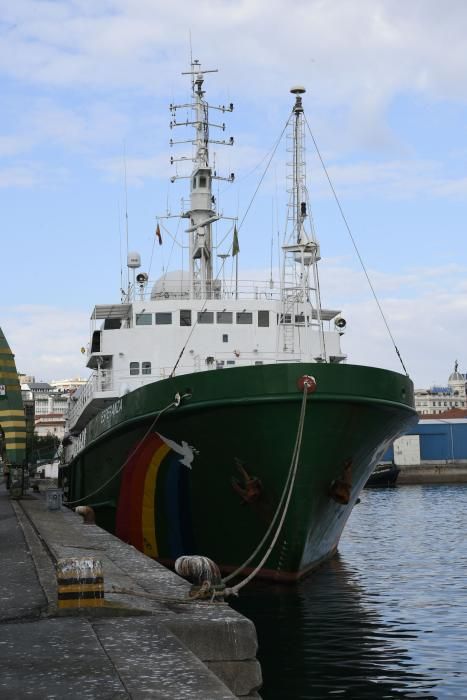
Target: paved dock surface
{"type": "Point", "coordinates": [147, 642]}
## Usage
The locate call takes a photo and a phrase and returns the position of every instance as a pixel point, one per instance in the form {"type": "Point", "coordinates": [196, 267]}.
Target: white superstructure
{"type": "Point", "coordinates": [190, 321]}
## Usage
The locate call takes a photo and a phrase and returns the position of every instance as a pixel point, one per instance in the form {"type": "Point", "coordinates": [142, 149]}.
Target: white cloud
{"type": "Point", "coordinates": [356, 57]}
{"type": "Point", "coordinates": [386, 47]}
{"type": "Point", "coordinates": [46, 340]}
{"type": "Point", "coordinates": [21, 175]}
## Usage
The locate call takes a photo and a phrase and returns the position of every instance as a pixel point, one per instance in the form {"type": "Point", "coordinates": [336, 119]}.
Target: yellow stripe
{"type": "Point", "coordinates": [16, 446]}
{"type": "Point", "coordinates": [81, 588]}
{"type": "Point", "coordinates": [12, 434]}
{"type": "Point", "coordinates": [81, 603]}
{"type": "Point", "coordinates": [148, 515]}
{"type": "Point", "coordinates": [7, 412]}
{"type": "Point", "coordinates": [12, 387]}
{"type": "Point", "coordinates": [8, 375]}
{"type": "Point", "coordinates": [7, 363]}
{"type": "Point", "coordinates": [13, 424]}
{"type": "Point", "coordinates": [5, 351]}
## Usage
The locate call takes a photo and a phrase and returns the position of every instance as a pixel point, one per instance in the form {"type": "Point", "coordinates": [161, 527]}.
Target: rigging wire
{"type": "Point", "coordinates": [264, 173]}
{"type": "Point", "coordinates": [355, 246]}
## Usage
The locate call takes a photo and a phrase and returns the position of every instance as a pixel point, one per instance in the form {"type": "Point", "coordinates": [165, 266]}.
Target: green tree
{"type": "Point", "coordinates": [44, 447]}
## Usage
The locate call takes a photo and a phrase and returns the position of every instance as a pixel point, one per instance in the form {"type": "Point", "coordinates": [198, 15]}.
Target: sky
{"type": "Point", "coordinates": [84, 138]}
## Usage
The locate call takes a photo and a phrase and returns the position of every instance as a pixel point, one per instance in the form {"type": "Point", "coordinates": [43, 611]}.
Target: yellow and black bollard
{"type": "Point", "coordinates": [80, 583]}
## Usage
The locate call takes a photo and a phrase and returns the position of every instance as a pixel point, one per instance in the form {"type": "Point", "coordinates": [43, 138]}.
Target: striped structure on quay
{"type": "Point", "coordinates": [80, 583]}
{"type": "Point", "coordinates": [12, 420]}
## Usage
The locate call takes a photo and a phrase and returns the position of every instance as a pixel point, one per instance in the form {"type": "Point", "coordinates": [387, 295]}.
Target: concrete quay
{"type": "Point", "coordinates": [147, 641]}
{"type": "Point", "coordinates": [452, 472]}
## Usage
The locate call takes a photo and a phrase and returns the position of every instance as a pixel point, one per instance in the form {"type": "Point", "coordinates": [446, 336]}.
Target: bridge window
{"type": "Point", "coordinates": [244, 317]}
{"type": "Point", "coordinates": [163, 318]}
{"type": "Point", "coordinates": [224, 317]}
{"type": "Point", "coordinates": [263, 319]}
{"type": "Point", "coordinates": [112, 323]}
{"type": "Point", "coordinates": [205, 316]}
{"type": "Point", "coordinates": [185, 317]}
{"type": "Point", "coordinates": [143, 319]}
{"type": "Point", "coordinates": [134, 368]}
{"type": "Point", "coordinates": [96, 342]}
{"type": "Point", "coordinates": [146, 368]}
{"type": "Point", "coordinates": [225, 338]}
{"type": "Point", "coordinates": [203, 181]}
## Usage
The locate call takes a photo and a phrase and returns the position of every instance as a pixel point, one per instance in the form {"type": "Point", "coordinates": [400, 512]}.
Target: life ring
{"type": "Point", "coordinates": [237, 353]}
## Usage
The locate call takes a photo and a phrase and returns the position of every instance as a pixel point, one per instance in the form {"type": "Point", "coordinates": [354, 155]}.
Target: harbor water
{"type": "Point", "coordinates": [385, 618]}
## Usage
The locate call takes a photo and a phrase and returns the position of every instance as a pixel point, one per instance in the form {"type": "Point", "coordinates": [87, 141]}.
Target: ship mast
{"type": "Point", "coordinates": [202, 211]}
{"type": "Point", "coordinates": [300, 282]}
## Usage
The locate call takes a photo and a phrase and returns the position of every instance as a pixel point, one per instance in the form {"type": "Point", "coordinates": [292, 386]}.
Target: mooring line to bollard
{"type": "Point", "coordinates": [286, 495]}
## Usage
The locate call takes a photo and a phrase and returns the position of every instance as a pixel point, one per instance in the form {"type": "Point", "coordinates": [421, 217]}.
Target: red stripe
{"type": "Point", "coordinates": [130, 501]}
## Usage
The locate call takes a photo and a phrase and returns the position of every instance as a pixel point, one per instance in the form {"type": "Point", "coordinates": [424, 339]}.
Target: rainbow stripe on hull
{"type": "Point", "coordinates": [153, 509]}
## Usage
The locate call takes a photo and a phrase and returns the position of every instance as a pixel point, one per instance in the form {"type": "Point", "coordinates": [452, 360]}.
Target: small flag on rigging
{"type": "Point", "coordinates": [235, 245]}
{"type": "Point", "coordinates": [158, 234]}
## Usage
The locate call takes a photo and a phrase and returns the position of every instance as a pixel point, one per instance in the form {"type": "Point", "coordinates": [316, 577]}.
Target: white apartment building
{"type": "Point", "coordinates": [50, 403]}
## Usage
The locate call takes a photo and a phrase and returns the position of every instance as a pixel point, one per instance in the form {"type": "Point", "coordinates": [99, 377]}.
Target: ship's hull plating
{"type": "Point", "coordinates": [207, 476]}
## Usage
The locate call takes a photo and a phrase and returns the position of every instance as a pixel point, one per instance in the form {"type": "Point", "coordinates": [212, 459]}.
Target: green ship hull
{"type": "Point", "coordinates": [207, 476]}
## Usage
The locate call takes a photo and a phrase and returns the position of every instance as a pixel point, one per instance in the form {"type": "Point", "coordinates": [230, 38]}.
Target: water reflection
{"type": "Point", "coordinates": [328, 642]}
{"type": "Point", "coordinates": [377, 621]}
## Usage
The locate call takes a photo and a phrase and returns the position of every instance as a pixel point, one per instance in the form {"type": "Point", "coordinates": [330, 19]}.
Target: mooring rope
{"type": "Point", "coordinates": [288, 488]}
{"type": "Point", "coordinates": [174, 404]}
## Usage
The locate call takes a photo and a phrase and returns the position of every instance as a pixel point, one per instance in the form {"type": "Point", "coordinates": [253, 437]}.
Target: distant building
{"type": "Point", "coordinates": [50, 404]}
{"type": "Point", "coordinates": [432, 441]}
{"type": "Point", "coordinates": [439, 399]}
{"type": "Point", "coordinates": [68, 385]}
{"type": "Point", "coordinates": [50, 424]}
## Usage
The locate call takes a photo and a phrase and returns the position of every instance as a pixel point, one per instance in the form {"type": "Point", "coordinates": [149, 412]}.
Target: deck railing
{"type": "Point", "coordinates": [98, 382]}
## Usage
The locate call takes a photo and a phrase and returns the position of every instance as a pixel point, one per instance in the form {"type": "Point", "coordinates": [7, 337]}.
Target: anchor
{"type": "Point", "coordinates": [341, 488]}
{"type": "Point", "coordinates": [251, 489]}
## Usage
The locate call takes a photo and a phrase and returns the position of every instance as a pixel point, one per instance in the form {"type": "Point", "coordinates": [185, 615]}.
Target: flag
{"type": "Point", "coordinates": [158, 234]}
{"type": "Point", "coordinates": [235, 246]}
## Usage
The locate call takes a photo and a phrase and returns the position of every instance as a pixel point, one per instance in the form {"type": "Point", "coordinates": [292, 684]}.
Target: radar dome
{"type": "Point", "coordinates": [174, 285]}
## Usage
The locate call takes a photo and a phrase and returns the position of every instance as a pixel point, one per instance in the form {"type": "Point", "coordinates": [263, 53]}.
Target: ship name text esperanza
{"type": "Point", "coordinates": [108, 413]}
